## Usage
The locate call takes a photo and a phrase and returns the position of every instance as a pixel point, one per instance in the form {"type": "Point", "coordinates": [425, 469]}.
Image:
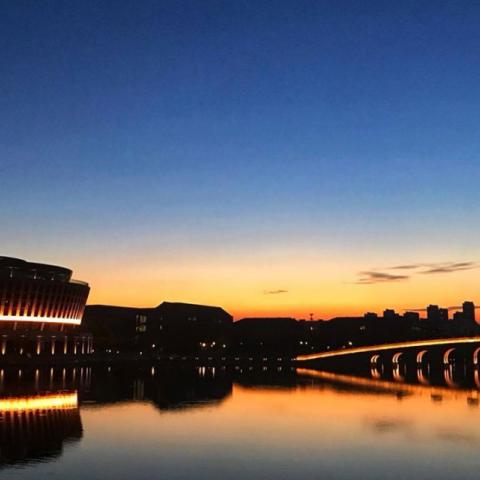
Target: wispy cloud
{"type": "Point", "coordinates": [412, 266]}
{"type": "Point", "coordinates": [274, 292]}
{"type": "Point", "coordinates": [395, 273]}
{"type": "Point", "coordinates": [367, 278]}
{"type": "Point", "coordinates": [449, 267]}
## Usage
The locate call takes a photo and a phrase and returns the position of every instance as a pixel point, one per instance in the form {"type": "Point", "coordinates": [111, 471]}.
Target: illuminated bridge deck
{"type": "Point", "coordinates": [332, 354]}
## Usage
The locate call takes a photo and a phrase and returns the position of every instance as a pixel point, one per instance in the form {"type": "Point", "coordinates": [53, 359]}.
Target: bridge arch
{"type": "Point", "coordinates": [396, 358]}
{"type": "Point", "coordinates": [447, 356]}
{"type": "Point", "coordinates": [376, 366]}
{"type": "Point", "coordinates": [375, 359]}
{"type": "Point", "coordinates": [398, 372]}
{"type": "Point", "coordinates": [420, 356]}
{"type": "Point", "coordinates": [475, 356]}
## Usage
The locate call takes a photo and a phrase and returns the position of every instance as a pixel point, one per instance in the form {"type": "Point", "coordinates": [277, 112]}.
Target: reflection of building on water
{"type": "Point", "coordinates": [28, 381]}
{"type": "Point", "coordinates": [279, 378]}
{"type": "Point", "coordinates": [35, 428]}
{"type": "Point", "coordinates": [167, 389]}
{"type": "Point", "coordinates": [205, 387]}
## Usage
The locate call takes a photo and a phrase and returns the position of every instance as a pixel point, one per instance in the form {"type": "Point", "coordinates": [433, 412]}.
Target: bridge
{"type": "Point", "coordinates": [444, 349]}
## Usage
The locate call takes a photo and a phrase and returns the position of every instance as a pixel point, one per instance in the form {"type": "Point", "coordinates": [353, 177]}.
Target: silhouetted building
{"type": "Point", "coordinates": [433, 313]}
{"type": "Point", "coordinates": [390, 314]}
{"type": "Point", "coordinates": [469, 311]}
{"type": "Point", "coordinates": [168, 328]}
{"type": "Point", "coordinates": [464, 322]}
{"type": "Point", "coordinates": [443, 314]}
{"type": "Point", "coordinates": [412, 316]}
{"type": "Point", "coordinates": [270, 336]}
{"type": "Point", "coordinates": [41, 309]}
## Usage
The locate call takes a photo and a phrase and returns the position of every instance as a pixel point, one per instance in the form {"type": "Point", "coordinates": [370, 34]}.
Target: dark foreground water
{"type": "Point", "coordinates": [204, 423]}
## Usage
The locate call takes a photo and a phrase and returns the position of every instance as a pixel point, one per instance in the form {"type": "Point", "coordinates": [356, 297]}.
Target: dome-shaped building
{"type": "Point", "coordinates": [41, 310]}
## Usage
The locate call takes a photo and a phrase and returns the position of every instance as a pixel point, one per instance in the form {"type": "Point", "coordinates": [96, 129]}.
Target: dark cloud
{"type": "Point", "coordinates": [367, 278]}
{"type": "Point", "coordinates": [274, 292]}
{"type": "Point", "coordinates": [391, 275]}
{"type": "Point", "coordinates": [449, 267]}
{"type": "Point", "coordinates": [440, 267]}
{"type": "Point", "coordinates": [412, 266]}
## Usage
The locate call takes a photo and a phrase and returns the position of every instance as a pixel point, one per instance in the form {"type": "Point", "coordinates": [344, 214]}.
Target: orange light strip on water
{"type": "Point", "coordinates": [45, 402]}
{"type": "Point", "coordinates": [26, 318]}
{"type": "Point", "coordinates": [384, 385]}
{"type": "Point", "coordinates": [388, 346]}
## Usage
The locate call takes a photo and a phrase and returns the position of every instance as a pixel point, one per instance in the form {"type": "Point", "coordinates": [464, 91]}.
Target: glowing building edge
{"type": "Point", "coordinates": [25, 318]}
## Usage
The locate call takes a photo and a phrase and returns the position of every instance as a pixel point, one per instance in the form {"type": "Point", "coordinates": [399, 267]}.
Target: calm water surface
{"type": "Point", "coordinates": [202, 423]}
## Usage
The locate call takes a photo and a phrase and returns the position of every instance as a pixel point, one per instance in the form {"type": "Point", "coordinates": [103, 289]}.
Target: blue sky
{"type": "Point", "coordinates": [218, 128]}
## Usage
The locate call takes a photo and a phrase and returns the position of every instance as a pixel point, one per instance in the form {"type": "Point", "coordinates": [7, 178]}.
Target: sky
{"type": "Point", "coordinates": [273, 157]}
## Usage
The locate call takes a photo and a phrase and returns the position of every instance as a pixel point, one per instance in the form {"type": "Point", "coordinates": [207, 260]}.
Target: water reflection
{"type": "Point", "coordinates": [167, 389]}
{"type": "Point", "coordinates": [377, 386]}
{"type": "Point", "coordinates": [35, 428]}
{"type": "Point", "coordinates": [239, 423]}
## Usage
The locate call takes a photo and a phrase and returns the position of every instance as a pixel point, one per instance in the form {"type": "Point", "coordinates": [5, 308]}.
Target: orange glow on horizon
{"type": "Point", "coordinates": [282, 283]}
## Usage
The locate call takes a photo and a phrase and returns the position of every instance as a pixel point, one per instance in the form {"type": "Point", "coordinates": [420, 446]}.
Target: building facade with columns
{"type": "Point", "coordinates": [41, 310]}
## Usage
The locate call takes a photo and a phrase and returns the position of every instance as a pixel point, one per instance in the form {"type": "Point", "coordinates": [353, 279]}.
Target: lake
{"type": "Point", "coordinates": [238, 423]}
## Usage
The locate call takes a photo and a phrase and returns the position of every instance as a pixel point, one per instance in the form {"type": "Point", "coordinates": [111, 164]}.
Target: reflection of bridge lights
{"type": "Point", "coordinates": [64, 401]}
{"type": "Point", "coordinates": [385, 385]}
{"type": "Point", "coordinates": [448, 376]}
{"type": "Point", "coordinates": [421, 377]}
{"type": "Point", "coordinates": [397, 374]}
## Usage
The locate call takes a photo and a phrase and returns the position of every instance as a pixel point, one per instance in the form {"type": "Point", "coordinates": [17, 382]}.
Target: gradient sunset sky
{"type": "Point", "coordinates": [271, 157]}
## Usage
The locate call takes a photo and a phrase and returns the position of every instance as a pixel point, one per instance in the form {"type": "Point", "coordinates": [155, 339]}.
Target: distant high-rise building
{"type": "Point", "coordinates": [412, 316]}
{"type": "Point", "coordinates": [389, 314]}
{"type": "Point", "coordinates": [443, 314]}
{"type": "Point", "coordinates": [433, 313]}
{"type": "Point", "coordinates": [469, 311]}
